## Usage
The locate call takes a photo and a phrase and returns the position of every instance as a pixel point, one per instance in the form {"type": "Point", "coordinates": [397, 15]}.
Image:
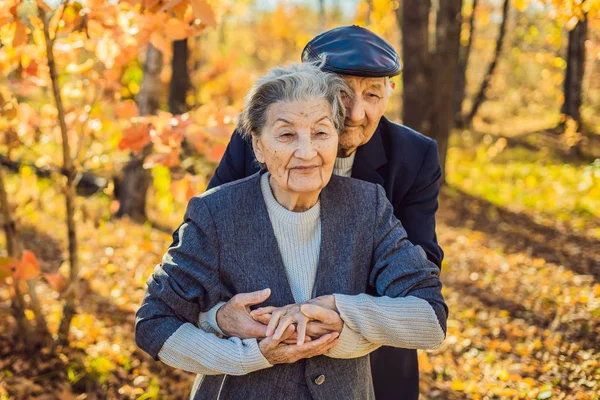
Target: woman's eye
{"type": "Point", "coordinates": [286, 135]}
{"type": "Point", "coordinates": [373, 96]}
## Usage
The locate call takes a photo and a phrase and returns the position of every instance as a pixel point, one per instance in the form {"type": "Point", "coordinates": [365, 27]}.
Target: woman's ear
{"type": "Point", "coordinates": [258, 150]}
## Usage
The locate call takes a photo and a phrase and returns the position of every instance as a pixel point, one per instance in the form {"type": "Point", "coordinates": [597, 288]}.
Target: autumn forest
{"type": "Point", "coordinates": [113, 114]}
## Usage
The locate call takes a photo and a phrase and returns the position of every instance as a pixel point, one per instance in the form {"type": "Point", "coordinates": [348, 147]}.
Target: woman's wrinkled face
{"type": "Point", "coordinates": [298, 144]}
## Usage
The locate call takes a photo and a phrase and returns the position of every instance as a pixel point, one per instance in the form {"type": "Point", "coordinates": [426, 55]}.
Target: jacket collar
{"type": "Point", "coordinates": [370, 157]}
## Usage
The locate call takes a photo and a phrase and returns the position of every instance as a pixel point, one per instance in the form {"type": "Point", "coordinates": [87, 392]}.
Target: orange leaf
{"type": "Point", "coordinates": [56, 281]}
{"type": "Point", "coordinates": [28, 268]}
{"type": "Point", "coordinates": [204, 12]}
{"type": "Point", "coordinates": [135, 137]}
{"type": "Point", "coordinates": [182, 190]}
{"type": "Point", "coordinates": [41, 4]}
{"type": "Point", "coordinates": [216, 152]}
{"type": "Point", "coordinates": [20, 34]}
{"type": "Point", "coordinates": [127, 109]}
{"type": "Point", "coordinates": [176, 29]}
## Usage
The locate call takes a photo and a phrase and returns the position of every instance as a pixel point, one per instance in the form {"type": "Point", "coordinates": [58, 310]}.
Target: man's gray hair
{"type": "Point", "coordinates": [295, 82]}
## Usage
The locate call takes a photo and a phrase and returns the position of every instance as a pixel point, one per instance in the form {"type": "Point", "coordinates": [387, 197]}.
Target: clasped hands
{"type": "Point", "coordinates": [285, 334]}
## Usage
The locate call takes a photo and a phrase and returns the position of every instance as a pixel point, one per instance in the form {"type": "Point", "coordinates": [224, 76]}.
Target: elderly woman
{"type": "Point", "coordinates": [323, 245]}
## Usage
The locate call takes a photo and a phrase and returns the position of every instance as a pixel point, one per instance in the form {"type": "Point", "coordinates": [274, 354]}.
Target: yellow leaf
{"type": "Point", "coordinates": [204, 12]}
{"type": "Point", "coordinates": [458, 385]}
{"type": "Point", "coordinates": [520, 5]}
{"type": "Point", "coordinates": [73, 68]}
{"type": "Point", "coordinates": [29, 315]}
{"type": "Point", "coordinates": [572, 23]}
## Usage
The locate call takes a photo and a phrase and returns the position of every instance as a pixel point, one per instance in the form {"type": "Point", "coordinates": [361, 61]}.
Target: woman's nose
{"type": "Point", "coordinates": [306, 149]}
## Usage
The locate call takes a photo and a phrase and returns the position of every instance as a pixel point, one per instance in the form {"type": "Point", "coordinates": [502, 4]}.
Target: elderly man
{"type": "Point", "coordinates": [372, 149]}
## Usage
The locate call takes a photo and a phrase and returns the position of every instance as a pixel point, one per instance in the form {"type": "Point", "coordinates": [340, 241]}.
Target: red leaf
{"type": "Point", "coordinates": [135, 137]}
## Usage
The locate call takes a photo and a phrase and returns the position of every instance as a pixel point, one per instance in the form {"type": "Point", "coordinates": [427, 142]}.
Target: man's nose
{"type": "Point", "coordinates": [355, 110]}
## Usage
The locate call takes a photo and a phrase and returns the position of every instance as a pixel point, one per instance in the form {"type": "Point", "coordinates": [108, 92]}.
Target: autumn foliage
{"type": "Point", "coordinates": [519, 219]}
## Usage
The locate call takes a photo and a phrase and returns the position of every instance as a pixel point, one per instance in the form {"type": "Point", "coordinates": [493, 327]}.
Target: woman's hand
{"type": "Point", "coordinates": [277, 352]}
{"type": "Point", "coordinates": [311, 320]}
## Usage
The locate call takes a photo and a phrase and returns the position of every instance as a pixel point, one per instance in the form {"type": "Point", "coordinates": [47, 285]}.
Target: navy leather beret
{"type": "Point", "coordinates": [353, 50]}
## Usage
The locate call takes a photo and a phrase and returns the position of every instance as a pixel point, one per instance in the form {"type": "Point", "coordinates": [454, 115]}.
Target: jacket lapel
{"type": "Point", "coordinates": [370, 157]}
{"type": "Point", "coordinates": [329, 277]}
{"type": "Point", "coordinates": [257, 242]}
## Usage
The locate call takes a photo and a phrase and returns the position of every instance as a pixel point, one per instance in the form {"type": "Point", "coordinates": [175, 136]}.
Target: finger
{"type": "Point", "coordinates": [317, 329]}
{"type": "Point", "coordinates": [287, 334]}
{"type": "Point", "coordinates": [274, 322]}
{"type": "Point", "coordinates": [254, 329]}
{"type": "Point", "coordinates": [301, 330]}
{"type": "Point", "coordinates": [323, 346]}
{"type": "Point", "coordinates": [263, 319]}
{"type": "Point", "coordinates": [319, 313]}
{"type": "Point", "coordinates": [252, 298]}
{"type": "Point", "coordinates": [282, 326]}
{"type": "Point", "coordinates": [264, 310]}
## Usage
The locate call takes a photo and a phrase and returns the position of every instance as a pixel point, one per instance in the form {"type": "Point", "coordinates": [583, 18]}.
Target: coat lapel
{"type": "Point", "coordinates": [370, 157]}
{"type": "Point", "coordinates": [257, 242]}
{"type": "Point", "coordinates": [330, 275]}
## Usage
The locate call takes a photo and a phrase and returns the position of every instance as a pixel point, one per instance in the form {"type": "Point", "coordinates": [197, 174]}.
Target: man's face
{"type": "Point", "coordinates": [363, 111]}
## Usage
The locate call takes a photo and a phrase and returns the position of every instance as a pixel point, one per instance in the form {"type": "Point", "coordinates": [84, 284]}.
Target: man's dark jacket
{"type": "Point", "coordinates": [406, 164]}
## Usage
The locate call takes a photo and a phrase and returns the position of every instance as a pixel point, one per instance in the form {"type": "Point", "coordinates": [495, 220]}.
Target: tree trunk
{"type": "Point", "coordinates": [322, 16]}
{"type": "Point", "coordinates": [369, 11]}
{"type": "Point", "coordinates": [136, 179]}
{"type": "Point", "coordinates": [575, 69]}
{"type": "Point", "coordinates": [444, 72]}
{"type": "Point", "coordinates": [180, 79]}
{"type": "Point", "coordinates": [24, 329]}
{"type": "Point", "coordinates": [479, 99]}
{"type": "Point", "coordinates": [416, 96]}
{"type": "Point", "coordinates": [72, 293]}
{"type": "Point", "coordinates": [461, 71]}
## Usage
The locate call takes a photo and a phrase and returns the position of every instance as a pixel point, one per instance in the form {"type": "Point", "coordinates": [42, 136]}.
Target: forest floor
{"type": "Point", "coordinates": [521, 278]}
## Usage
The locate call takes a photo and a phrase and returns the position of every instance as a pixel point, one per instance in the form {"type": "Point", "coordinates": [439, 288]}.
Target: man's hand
{"type": "Point", "coordinates": [234, 319]}
{"type": "Point", "coordinates": [277, 352]}
{"type": "Point", "coordinates": [323, 320]}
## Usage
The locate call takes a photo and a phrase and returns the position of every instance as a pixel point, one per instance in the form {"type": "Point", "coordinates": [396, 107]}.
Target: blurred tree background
{"type": "Point", "coordinates": [114, 113]}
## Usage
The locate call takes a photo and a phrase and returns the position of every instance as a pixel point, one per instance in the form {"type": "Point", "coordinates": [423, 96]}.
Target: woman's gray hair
{"type": "Point", "coordinates": [295, 82]}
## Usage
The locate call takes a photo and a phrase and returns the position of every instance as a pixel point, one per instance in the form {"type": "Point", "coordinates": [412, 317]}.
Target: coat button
{"type": "Point", "coordinates": [320, 379]}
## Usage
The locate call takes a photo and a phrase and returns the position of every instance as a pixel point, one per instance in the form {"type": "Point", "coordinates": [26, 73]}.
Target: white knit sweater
{"type": "Point", "coordinates": [369, 321]}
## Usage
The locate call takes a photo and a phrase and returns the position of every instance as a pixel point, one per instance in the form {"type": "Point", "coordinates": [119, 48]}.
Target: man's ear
{"type": "Point", "coordinates": [258, 150]}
